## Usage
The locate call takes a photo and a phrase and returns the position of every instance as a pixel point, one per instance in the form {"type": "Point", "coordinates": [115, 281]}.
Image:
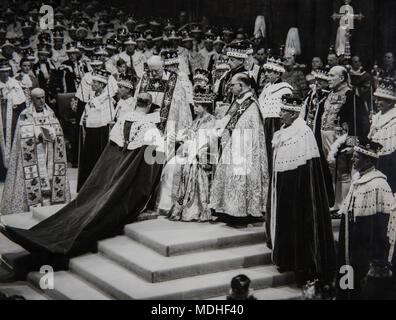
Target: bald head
{"type": "Point", "coordinates": [155, 62]}
{"type": "Point", "coordinates": [337, 76]}
{"type": "Point", "coordinates": [36, 92]}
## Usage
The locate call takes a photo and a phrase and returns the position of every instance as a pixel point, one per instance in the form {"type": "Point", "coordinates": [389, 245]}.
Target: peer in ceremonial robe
{"type": "Point", "coordinates": [383, 129]}
{"type": "Point", "coordinates": [269, 101]}
{"type": "Point", "coordinates": [365, 216]}
{"type": "Point", "coordinates": [12, 104]}
{"type": "Point", "coordinates": [95, 124]}
{"type": "Point", "coordinates": [301, 233]}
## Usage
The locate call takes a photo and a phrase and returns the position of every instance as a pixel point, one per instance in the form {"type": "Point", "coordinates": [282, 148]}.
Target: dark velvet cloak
{"type": "Point", "coordinates": [92, 143]}
{"type": "Point", "coordinates": [367, 238]}
{"type": "Point", "coordinates": [304, 239]}
{"type": "Point", "coordinates": [115, 193]}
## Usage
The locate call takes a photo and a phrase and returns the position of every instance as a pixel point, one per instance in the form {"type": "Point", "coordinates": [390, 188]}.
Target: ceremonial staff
{"type": "Point", "coordinates": [111, 123]}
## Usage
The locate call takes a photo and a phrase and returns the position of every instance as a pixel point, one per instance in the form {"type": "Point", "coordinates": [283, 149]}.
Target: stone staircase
{"type": "Point", "coordinates": [162, 259]}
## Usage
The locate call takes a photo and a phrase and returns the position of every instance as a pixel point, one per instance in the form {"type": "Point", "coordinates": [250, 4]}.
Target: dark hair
{"type": "Point", "coordinates": [244, 78]}
{"type": "Point", "coordinates": [120, 62]}
{"type": "Point", "coordinates": [24, 59]}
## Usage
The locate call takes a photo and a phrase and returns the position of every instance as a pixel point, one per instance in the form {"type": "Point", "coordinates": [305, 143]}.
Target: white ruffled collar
{"type": "Point", "coordinates": [286, 133]}
{"type": "Point", "coordinates": [373, 174]}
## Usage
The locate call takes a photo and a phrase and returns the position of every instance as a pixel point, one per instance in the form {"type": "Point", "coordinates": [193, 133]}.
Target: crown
{"type": "Point", "coordinates": [274, 65]}
{"type": "Point", "coordinates": [204, 94]}
{"type": "Point", "coordinates": [187, 37]}
{"type": "Point", "coordinates": [4, 65]}
{"type": "Point", "coordinates": [174, 36]}
{"type": "Point", "coordinates": [126, 81]}
{"type": "Point", "coordinates": [222, 64]}
{"type": "Point", "coordinates": [71, 48]}
{"type": "Point", "coordinates": [58, 34]}
{"type": "Point", "coordinates": [196, 29]}
{"type": "Point", "coordinates": [44, 48]}
{"type": "Point", "coordinates": [201, 75]}
{"type": "Point", "coordinates": [227, 30]}
{"type": "Point", "coordinates": [170, 57]}
{"type": "Point", "coordinates": [367, 147]}
{"type": "Point", "coordinates": [291, 103]}
{"type": "Point", "coordinates": [386, 89]}
{"type": "Point", "coordinates": [169, 26]}
{"type": "Point", "coordinates": [130, 20]}
{"type": "Point", "coordinates": [100, 75]}
{"type": "Point", "coordinates": [130, 40]}
{"type": "Point", "coordinates": [218, 40]}
{"type": "Point", "coordinates": [101, 51]}
{"type": "Point", "coordinates": [320, 74]}
{"type": "Point", "coordinates": [26, 25]}
{"type": "Point", "coordinates": [59, 26]}
{"type": "Point", "coordinates": [141, 38]}
{"type": "Point", "coordinates": [237, 50]}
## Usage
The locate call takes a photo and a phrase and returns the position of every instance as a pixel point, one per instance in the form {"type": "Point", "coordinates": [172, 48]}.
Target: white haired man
{"type": "Point", "coordinates": [37, 174]}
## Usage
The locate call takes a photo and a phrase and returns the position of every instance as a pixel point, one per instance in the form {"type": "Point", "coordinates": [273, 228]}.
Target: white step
{"type": "Point", "coordinates": [278, 293]}
{"type": "Point", "coordinates": [24, 220]}
{"type": "Point", "coordinates": [42, 213]}
{"type": "Point", "coordinates": [171, 238]}
{"type": "Point", "coordinates": [119, 282]}
{"type": "Point", "coordinates": [154, 267]}
{"type": "Point", "coordinates": [68, 286]}
{"type": "Point", "coordinates": [10, 251]}
{"type": "Point", "coordinates": [22, 289]}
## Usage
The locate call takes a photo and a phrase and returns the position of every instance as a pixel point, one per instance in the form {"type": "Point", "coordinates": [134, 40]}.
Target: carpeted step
{"type": "Point", "coordinates": [10, 252]}
{"type": "Point", "coordinates": [278, 293]}
{"type": "Point", "coordinates": [68, 286]}
{"type": "Point", "coordinates": [171, 238]}
{"type": "Point", "coordinates": [24, 220]}
{"type": "Point", "coordinates": [23, 289]}
{"type": "Point", "coordinates": [42, 213]}
{"type": "Point", "coordinates": [155, 267]}
{"type": "Point", "coordinates": [121, 283]}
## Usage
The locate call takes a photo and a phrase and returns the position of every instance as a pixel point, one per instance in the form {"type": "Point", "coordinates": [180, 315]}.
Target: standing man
{"type": "Point", "coordinates": [300, 226]}
{"type": "Point", "coordinates": [365, 216]}
{"type": "Point", "coordinates": [135, 59]}
{"type": "Point", "coordinates": [167, 92]}
{"type": "Point", "coordinates": [37, 174]}
{"type": "Point", "coordinates": [95, 121]}
{"type": "Point", "coordinates": [343, 115]}
{"type": "Point", "coordinates": [12, 104]}
{"type": "Point", "coordinates": [237, 55]}
{"type": "Point", "coordinates": [361, 81]}
{"type": "Point", "coordinates": [383, 129]}
{"type": "Point", "coordinates": [312, 112]}
{"type": "Point", "coordinates": [270, 100]}
{"type": "Point", "coordinates": [240, 185]}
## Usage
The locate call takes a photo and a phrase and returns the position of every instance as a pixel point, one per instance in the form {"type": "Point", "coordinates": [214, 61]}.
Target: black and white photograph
{"type": "Point", "coordinates": [205, 150]}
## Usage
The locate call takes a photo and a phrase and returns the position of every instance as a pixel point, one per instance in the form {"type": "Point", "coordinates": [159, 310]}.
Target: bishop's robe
{"type": "Point", "coordinates": [37, 174]}
{"type": "Point", "coordinates": [240, 184]}
{"type": "Point", "coordinates": [170, 93]}
{"type": "Point", "coordinates": [300, 225]}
